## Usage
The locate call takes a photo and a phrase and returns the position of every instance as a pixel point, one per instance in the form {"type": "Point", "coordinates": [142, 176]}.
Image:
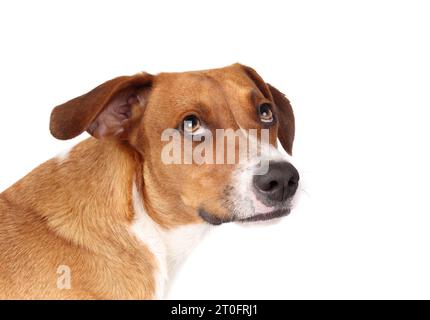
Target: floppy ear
{"type": "Point", "coordinates": [286, 119]}
{"type": "Point", "coordinates": [104, 112]}
{"type": "Point", "coordinates": [285, 112]}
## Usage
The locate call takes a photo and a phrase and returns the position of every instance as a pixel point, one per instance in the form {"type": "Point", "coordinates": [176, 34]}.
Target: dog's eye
{"type": "Point", "coordinates": [191, 124]}
{"type": "Point", "coordinates": [265, 112]}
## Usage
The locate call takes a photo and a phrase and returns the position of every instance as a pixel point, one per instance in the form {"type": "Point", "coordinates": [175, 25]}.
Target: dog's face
{"type": "Point", "coordinates": [191, 171]}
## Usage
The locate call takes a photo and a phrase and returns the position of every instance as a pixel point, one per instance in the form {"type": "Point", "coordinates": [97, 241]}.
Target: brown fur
{"type": "Point", "coordinates": [77, 212]}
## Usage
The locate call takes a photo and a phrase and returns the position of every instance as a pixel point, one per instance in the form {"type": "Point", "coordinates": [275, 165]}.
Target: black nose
{"type": "Point", "coordinates": [279, 183]}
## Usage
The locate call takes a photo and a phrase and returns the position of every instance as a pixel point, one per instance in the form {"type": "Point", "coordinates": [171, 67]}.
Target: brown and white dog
{"type": "Point", "coordinates": [111, 213]}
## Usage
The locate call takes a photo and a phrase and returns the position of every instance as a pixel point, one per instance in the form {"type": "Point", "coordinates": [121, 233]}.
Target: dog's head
{"type": "Point", "coordinates": [181, 125]}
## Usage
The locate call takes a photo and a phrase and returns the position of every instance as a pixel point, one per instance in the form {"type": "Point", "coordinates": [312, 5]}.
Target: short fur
{"type": "Point", "coordinates": [78, 210]}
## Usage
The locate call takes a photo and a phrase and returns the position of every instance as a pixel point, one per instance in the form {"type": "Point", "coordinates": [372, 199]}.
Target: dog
{"type": "Point", "coordinates": [108, 219]}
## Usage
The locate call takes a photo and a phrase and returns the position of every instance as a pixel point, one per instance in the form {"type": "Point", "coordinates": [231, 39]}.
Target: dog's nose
{"type": "Point", "coordinates": [279, 183]}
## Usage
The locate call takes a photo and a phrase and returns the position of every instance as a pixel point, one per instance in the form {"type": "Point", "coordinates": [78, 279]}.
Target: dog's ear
{"type": "Point", "coordinates": [285, 111]}
{"type": "Point", "coordinates": [286, 120]}
{"type": "Point", "coordinates": [106, 111]}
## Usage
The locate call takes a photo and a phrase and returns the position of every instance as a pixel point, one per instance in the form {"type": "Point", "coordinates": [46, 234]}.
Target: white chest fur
{"type": "Point", "coordinates": [169, 247]}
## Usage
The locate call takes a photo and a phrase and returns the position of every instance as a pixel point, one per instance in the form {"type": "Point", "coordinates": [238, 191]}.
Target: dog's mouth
{"type": "Point", "coordinates": [215, 220]}
{"type": "Point", "coordinates": [267, 216]}
{"type": "Point", "coordinates": [258, 212]}
{"type": "Point", "coordinates": [247, 207]}
{"type": "Point", "coordinates": [263, 210]}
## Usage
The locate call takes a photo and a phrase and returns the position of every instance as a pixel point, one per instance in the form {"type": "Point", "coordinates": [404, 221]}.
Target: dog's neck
{"type": "Point", "coordinates": [170, 246]}
{"type": "Point", "coordinates": [92, 197]}
{"type": "Point", "coordinates": [84, 196]}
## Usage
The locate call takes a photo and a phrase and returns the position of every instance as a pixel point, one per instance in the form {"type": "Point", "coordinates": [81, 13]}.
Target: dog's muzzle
{"type": "Point", "coordinates": [272, 192]}
{"type": "Point", "coordinates": [265, 196]}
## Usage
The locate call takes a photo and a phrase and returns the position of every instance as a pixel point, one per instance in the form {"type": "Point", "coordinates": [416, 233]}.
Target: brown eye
{"type": "Point", "coordinates": [191, 124]}
{"type": "Point", "coordinates": [265, 112]}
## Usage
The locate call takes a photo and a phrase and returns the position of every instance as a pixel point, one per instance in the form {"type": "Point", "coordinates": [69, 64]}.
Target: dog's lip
{"type": "Point", "coordinates": [259, 206]}
{"type": "Point", "coordinates": [214, 220]}
{"type": "Point", "coordinates": [266, 211]}
{"type": "Point", "coordinates": [267, 215]}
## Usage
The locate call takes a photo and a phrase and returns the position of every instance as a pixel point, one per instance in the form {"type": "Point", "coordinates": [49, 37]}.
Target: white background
{"type": "Point", "coordinates": [358, 76]}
